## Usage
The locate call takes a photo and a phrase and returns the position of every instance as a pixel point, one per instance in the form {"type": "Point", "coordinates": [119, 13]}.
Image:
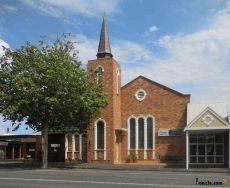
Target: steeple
{"type": "Point", "coordinates": [104, 50]}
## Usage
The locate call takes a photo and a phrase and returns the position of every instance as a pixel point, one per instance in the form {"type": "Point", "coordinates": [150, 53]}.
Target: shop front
{"type": "Point", "coordinates": [208, 149]}
{"type": "Point", "coordinates": [207, 141]}
{"type": "Point", "coordinates": [20, 147]}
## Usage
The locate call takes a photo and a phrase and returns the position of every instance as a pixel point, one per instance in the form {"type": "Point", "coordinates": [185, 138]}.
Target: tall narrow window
{"type": "Point", "coordinates": [141, 133]}
{"type": "Point", "coordinates": [132, 128]}
{"type": "Point", "coordinates": [100, 135]}
{"type": "Point", "coordinates": [77, 142]}
{"type": "Point", "coordinates": [99, 75]}
{"type": "Point", "coordinates": [149, 133]}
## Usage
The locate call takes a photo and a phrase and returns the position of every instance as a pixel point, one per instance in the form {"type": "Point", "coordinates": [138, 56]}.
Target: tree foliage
{"type": "Point", "coordinates": [45, 85]}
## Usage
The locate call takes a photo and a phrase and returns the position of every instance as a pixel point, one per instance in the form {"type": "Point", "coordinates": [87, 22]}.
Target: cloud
{"type": "Point", "coordinates": [197, 63]}
{"type": "Point", "coordinates": [4, 9]}
{"type": "Point", "coordinates": [3, 45]}
{"type": "Point", "coordinates": [60, 8]}
{"type": "Point", "coordinates": [125, 52]}
{"type": "Point", "coordinates": [152, 29]}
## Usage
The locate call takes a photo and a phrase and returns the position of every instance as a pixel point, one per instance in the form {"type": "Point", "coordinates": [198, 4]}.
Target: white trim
{"type": "Point", "coordinates": [95, 141]}
{"type": "Point", "coordinates": [145, 135]}
{"type": "Point", "coordinates": [73, 146]}
{"type": "Point", "coordinates": [208, 119]}
{"type": "Point", "coordinates": [136, 139]}
{"type": "Point", "coordinates": [187, 150]}
{"type": "Point", "coordinates": [102, 68]}
{"type": "Point", "coordinates": [154, 136]}
{"type": "Point", "coordinates": [145, 138]}
{"type": "Point", "coordinates": [207, 128]}
{"type": "Point", "coordinates": [208, 109]}
{"type": "Point", "coordinates": [95, 138]}
{"type": "Point", "coordinates": [79, 143]}
{"type": "Point", "coordinates": [117, 79]}
{"type": "Point", "coordinates": [128, 123]}
{"type": "Point", "coordinates": [80, 146]}
{"type": "Point", "coordinates": [66, 146]}
{"type": "Point", "coordinates": [137, 97]}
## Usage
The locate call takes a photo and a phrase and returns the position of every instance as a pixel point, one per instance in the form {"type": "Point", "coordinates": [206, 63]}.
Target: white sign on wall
{"type": "Point", "coordinates": [170, 132]}
{"type": "Point", "coordinates": [164, 132]}
{"type": "Point", "coordinates": [55, 145]}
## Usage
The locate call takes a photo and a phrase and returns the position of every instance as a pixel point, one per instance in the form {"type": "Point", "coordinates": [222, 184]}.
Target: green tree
{"type": "Point", "coordinates": [45, 85]}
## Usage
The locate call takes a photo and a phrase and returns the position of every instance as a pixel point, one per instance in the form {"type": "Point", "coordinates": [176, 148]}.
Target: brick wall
{"type": "Point", "coordinates": [168, 108]}
{"type": "Point", "coordinates": [111, 113]}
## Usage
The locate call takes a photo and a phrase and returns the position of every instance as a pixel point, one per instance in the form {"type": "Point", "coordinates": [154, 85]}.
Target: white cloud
{"type": "Point", "coordinates": [3, 45]}
{"type": "Point", "coordinates": [197, 63]}
{"type": "Point", "coordinates": [7, 9]}
{"type": "Point", "coordinates": [87, 48]}
{"type": "Point", "coordinates": [152, 29]}
{"type": "Point", "coordinates": [125, 52]}
{"type": "Point", "coordinates": [60, 8]}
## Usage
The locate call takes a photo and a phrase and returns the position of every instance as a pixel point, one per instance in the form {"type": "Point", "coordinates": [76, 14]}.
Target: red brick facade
{"type": "Point", "coordinates": [166, 106]}
{"type": "Point", "coordinates": [111, 114]}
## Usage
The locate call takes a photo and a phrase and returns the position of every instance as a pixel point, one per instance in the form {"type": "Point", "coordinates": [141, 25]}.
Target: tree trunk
{"type": "Point", "coordinates": [45, 148]}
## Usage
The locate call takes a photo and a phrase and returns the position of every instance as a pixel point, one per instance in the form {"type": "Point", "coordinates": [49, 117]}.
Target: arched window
{"type": "Point", "coordinates": [100, 135]}
{"type": "Point", "coordinates": [132, 124]}
{"type": "Point", "coordinates": [149, 133]}
{"type": "Point", "coordinates": [141, 133]}
{"type": "Point", "coordinates": [141, 136]}
{"type": "Point", "coordinates": [99, 75]}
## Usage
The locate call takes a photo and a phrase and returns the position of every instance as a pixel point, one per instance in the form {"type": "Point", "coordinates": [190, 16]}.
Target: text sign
{"type": "Point", "coordinates": [163, 133]}
{"type": "Point", "coordinates": [170, 132]}
{"type": "Point", "coordinates": [55, 145]}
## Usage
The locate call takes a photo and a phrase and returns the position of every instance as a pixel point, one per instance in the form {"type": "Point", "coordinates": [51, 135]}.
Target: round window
{"type": "Point", "coordinates": [140, 95]}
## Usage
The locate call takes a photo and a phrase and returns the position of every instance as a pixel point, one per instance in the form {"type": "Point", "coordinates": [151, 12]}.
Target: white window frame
{"type": "Point", "coordinates": [137, 97]}
{"type": "Point", "coordinates": [95, 138]}
{"type": "Point", "coordinates": [145, 134]}
{"type": "Point", "coordinates": [102, 68]}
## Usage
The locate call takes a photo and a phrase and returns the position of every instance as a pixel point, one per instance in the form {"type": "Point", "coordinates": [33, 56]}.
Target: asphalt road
{"type": "Point", "coordinates": [83, 178]}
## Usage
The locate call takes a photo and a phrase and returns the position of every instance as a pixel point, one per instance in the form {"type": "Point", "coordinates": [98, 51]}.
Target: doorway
{"type": "Point", "coordinates": [56, 148]}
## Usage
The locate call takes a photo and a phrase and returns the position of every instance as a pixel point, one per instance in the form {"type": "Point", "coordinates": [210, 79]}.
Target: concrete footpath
{"type": "Point", "coordinates": [125, 167]}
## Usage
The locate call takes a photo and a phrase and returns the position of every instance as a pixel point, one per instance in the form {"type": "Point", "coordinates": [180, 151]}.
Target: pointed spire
{"type": "Point", "coordinates": [104, 50]}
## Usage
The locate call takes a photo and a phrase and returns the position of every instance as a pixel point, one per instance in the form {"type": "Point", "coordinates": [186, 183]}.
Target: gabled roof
{"type": "Point", "coordinates": [208, 109]}
{"type": "Point", "coordinates": [155, 83]}
{"type": "Point", "coordinates": [194, 109]}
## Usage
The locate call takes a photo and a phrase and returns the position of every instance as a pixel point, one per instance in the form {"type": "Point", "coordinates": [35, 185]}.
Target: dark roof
{"type": "Point", "coordinates": [104, 49]}
{"type": "Point", "coordinates": [155, 83]}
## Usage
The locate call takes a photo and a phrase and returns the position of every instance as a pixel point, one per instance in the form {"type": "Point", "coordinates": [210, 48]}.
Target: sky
{"type": "Point", "coordinates": [182, 44]}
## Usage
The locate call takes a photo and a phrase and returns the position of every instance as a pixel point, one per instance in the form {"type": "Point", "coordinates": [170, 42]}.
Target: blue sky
{"type": "Point", "coordinates": [182, 44]}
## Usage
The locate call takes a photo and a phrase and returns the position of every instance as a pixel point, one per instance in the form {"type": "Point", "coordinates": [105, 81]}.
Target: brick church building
{"type": "Point", "coordinates": [142, 118]}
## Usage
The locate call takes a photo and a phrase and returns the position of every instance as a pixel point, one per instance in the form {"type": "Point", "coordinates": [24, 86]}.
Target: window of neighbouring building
{"type": "Point", "coordinates": [77, 142]}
